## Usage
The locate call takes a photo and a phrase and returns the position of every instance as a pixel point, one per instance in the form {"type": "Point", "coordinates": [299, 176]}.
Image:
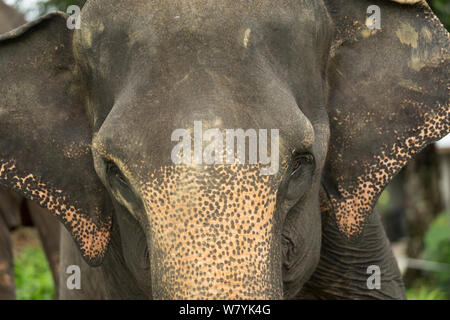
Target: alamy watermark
{"type": "Point", "coordinates": [374, 280]}
{"type": "Point", "coordinates": [74, 279]}
{"type": "Point", "coordinates": [373, 20]}
{"type": "Point", "coordinates": [74, 19]}
{"type": "Point", "coordinates": [230, 149]}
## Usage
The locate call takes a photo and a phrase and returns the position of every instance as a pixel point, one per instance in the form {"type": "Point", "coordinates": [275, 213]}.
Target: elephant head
{"type": "Point", "coordinates": [88, 120]}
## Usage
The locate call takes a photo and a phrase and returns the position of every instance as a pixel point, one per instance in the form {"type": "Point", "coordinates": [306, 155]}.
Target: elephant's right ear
{"type": "Point", "coordinates": [45, 133]}
{"type": "Point", "coordinates": [389, 98]}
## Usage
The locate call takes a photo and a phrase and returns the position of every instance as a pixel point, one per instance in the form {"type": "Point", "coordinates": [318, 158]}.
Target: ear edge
{"type": "Point", "coordinates": [19, 31]}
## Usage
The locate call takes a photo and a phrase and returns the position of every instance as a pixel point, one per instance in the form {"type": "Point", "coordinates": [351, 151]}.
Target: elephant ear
{"type": "Point", "coordinates": [389, 98]}
{"type": "Point", "coordinates": [45, 133]}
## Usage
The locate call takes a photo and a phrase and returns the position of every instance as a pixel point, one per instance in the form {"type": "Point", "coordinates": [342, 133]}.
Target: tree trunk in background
{"type": "Point", "coordinates": [423, 201]}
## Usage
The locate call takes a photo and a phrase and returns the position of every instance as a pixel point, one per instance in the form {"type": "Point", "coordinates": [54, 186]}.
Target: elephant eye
{"type": "Point", "coordinates": [114, 173]}
{"type": "Point", "coordinates": [299, 180]}
{"type": "Point", "coordinates": [300, 162]}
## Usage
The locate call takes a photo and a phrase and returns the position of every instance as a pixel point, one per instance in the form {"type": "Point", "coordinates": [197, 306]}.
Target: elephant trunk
{"type": "Point", "coordinates": [212, 234]}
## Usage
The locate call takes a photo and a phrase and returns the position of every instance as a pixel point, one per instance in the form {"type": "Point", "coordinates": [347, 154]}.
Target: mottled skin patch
{"type": "Point", "coordinates": [92, 238]}
{"type": "Point", "coordinates": [212, 233]}
{"type": "Point", "coordinates": [355, 204]}
{"type": "Point", "coordinates": [407, 35]}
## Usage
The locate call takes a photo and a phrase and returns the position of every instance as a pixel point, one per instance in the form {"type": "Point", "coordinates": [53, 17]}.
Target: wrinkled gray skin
{"type": "Point", "coordinates": [138, 70]}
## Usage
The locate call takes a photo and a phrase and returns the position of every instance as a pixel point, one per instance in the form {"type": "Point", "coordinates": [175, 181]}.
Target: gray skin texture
{"type": "Point", "coordinates": [16, 211]}
{"type": "Point", "coordinates": [352, 107]}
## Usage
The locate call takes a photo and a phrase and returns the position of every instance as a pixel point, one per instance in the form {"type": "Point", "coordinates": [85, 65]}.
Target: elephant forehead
{"type": "Point", "coordinates": [196, 10]}
{"type": "Point", "coordinates": [221, 222]}
{"type": "Point", "coordinates": [154, 19]}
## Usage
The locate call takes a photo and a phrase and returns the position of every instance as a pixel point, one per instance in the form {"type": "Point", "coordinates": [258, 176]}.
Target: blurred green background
{"type": "Point", "coordinates": [434, 285]}
{"type": "Point", "coordinates": [34, 280]}
{"type": "Point", "coordinates": [32, 275]}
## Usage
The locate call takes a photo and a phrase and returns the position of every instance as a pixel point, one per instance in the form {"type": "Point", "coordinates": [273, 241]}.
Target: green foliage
{"type": "Point", "coordinates": [442, 10]}
{"type": "Point", "coordinates": [383, 202]}
{"type": "Point", "coordinates": [33, 276]}
{"type": "Point", "coordinates": [437, 248]}
{"type": "Point", "coordinates": [437, 240]}
{"type": "Point", "coordinates": [434, 285]}
{"type": "Point", "coordinates": [425, 293]}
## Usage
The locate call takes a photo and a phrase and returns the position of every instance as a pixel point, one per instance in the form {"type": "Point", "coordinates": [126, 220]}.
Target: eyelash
{"type": "Point", "coordinates": [114, 171]}
{"type": "Point", "coordinates": [300, 161]}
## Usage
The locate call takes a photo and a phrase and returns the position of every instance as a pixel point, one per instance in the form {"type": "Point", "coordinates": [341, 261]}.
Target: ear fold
{"type": "Point", "coordinates": [45, 135]}
{"type": "Point", "coordinates": [389, 98]}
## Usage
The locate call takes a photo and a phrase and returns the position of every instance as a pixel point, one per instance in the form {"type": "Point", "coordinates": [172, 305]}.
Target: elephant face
{"type": "Point", "coordinates": [115, 114]}
{"type": "Point", "coordinates": [212, 230]}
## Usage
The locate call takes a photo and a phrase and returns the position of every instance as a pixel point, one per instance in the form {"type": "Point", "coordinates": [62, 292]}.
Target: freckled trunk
{"type": "Point", "coordinates": [213, 234]}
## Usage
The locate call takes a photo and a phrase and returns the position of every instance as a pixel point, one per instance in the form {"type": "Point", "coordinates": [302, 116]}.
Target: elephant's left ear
{"type": "Point", "coordinates": [389, 98]}
{"type": "Point", "coordinates": [45, 133]}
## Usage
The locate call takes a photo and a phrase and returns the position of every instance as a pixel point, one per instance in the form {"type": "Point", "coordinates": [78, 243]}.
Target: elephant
{"type": "Point", "coordinates": [16, 211]}
{"type": "Point", "coordinates": [96, 125]}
